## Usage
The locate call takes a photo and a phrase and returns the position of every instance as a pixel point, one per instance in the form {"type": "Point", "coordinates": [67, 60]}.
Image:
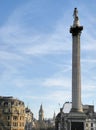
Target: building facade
{"type": "Point", "coordinates": [12, 114]}
{"type": "Point", "coordinates": [29, 123]}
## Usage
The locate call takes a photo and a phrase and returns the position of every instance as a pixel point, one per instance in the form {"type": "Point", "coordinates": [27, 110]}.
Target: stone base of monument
{"type": "Point", "coordinates": [76, 121]}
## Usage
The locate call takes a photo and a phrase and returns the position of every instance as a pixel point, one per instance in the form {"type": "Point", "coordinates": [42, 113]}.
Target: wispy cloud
{"type": "Point", "coordinates": [56, 96]}
{"type": "Point", "coordinates": [59, 82]}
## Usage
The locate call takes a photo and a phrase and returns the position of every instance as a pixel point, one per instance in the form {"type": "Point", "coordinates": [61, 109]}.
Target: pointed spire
{"type": "Point", "coordinates": [41, 113]}
{"type": "Point", "coordinates": [76, 18]}
{"type": "Point", "coordinates": [54, 116]}
{"type": "Point", "coordinates": [41, 108]}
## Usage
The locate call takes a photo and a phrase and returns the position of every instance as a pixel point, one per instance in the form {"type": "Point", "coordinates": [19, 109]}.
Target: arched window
{"type": "Point", "coordinates": [5, 103]}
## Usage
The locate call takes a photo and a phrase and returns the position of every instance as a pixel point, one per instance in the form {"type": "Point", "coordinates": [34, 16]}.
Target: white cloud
{"type": "Point", "coordinates": [56, 96]}
{"type": "Point", "coordinates": [89, 88]}
{"type": "Point", "coordinates": [59, 82]}
{"type": "Point", "coordinates": [89, 61]}
{"type": "Point", "coordinates": [6, 56]}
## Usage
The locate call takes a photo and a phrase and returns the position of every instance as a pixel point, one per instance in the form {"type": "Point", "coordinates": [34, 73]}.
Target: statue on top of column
{"type": "Point", "coordinates": [76, 18]}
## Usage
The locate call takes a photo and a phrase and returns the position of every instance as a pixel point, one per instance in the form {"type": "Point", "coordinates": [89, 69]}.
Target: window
{"type": "Point", "coordinates": [5, 103]}
{"type": "Point", "coordinates": [91, 124]}
{"type": "Point", "coordinates": [15, 123]}
{"type": "Point", "coordinates": [8, 117]}
{"type": "Point", "coordinates": [8, 123]}
{"type": "Point", "coordinates": [21, 118]}
{"type": "Point", "coordinates": [15, 118]}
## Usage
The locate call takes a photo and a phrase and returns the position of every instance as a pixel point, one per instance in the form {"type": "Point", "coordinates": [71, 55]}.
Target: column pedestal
{"type": "Point", "coordinates": [77, 121]}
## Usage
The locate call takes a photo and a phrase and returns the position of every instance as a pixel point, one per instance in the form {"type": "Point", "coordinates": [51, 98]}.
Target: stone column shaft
{"type": "Point", "coordinates": [76, 74]}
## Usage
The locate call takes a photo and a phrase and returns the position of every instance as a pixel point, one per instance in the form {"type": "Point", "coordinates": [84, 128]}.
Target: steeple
{"type": "Point", "coordinates": [41, 113]}
{"type": "Point", "coordinates": [54, 116]}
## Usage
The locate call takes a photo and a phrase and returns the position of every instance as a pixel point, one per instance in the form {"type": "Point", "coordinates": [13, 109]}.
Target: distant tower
{"type": "Point", "coordinates": [41, 114]}
{"type": "Point", "coordinates": [54, 116]}
{"type": "Point", "coordinates": [76, 72]}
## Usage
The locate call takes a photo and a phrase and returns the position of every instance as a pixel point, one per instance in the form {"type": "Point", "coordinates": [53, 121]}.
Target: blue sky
{"type": "Point", "coordinates": [36, 52]}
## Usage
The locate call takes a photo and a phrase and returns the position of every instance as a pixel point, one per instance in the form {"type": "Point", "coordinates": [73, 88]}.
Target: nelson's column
{"type": "Point", "coordinates": [76, 115]}
{"type": "Point", "coordinates": [76, 76]}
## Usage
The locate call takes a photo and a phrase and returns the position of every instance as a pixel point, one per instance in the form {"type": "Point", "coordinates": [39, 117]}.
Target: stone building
{"type": "Point", "coordinates": [29, 123]}
{"type": "Point", "coordinates": [12, 114]}
{"type": "Point", "coordinates": [79, 117]}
